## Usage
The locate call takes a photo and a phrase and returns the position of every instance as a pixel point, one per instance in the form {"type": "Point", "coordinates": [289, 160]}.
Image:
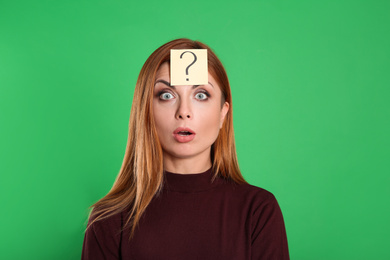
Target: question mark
{"type": "Point", "coordinates": [190, 63]}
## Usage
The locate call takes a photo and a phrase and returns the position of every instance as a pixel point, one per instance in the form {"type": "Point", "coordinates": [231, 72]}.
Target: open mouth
{"type": "Point", "coordinates": [184, 133]}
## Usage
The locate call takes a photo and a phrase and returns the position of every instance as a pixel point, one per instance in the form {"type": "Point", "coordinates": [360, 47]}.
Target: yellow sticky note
{"type": "Point", "coordinates": [189, 67]}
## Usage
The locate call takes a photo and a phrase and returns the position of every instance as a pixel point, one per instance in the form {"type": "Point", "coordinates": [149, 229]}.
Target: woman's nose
{"type": "Point", "coordinates": [184, 110]}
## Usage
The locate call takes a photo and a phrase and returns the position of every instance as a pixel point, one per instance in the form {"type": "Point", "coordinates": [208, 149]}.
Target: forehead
{"type": "Point", "coordinates": [164, 73]}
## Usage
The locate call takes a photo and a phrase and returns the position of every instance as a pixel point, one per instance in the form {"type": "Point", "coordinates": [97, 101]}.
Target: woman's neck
{"type": "Point", "coordinates": [190, 165]}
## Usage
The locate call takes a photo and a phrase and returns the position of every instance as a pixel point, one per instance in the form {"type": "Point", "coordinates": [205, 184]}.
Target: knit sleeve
{"type": "Point", "coordinates": [102, 240]}
{"type": "Point", "coordinates": [269, 240]}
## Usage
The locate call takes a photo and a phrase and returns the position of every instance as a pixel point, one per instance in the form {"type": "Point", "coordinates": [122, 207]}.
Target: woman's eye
{"type": "Point", "coordinates": [201, 96]}
{"type": "Point", "coordinates": [166, 96]}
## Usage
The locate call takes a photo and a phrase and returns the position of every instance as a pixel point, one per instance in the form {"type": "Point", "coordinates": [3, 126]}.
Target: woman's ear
{"type": "Point", "coordinates": [224, 110]}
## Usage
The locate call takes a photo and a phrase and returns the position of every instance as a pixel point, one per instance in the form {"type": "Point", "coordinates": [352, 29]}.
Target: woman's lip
{"type": "Point", "coordinates": [183, 129]}
{"type": "Point", "coordinates": [183, 138]}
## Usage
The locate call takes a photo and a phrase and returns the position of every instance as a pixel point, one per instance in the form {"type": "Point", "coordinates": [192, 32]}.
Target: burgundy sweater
{"type": "Point", "coordinates": [194, 218]}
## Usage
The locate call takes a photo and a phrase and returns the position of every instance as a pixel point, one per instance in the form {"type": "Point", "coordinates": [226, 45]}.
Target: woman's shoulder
{"type": "Point", "coordinates": [247, 191]}
{"type": "Point", "coordinates": [102, 225]}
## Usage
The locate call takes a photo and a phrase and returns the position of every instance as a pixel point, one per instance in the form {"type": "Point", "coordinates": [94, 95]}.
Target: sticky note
{"type": "Point", "coordinates": [189, 67]}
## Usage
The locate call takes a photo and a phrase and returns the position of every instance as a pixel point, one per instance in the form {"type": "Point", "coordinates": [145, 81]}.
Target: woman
{"type": "Point", "coordinates": [180, 193]}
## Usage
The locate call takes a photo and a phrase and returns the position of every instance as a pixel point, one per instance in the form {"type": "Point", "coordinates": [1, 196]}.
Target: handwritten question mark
{"type": "Point", "coordinates": [190, 63]}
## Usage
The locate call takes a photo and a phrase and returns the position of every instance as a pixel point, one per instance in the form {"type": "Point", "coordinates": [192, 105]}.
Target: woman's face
{"type": "Point", "coordinates": [188, 118]}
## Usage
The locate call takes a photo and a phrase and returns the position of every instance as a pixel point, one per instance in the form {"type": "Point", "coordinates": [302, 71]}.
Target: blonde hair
{"type": "Point", "coordinates": [141, 175]}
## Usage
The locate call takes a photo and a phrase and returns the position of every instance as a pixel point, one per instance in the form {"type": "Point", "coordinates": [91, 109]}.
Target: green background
{"type": "Point", "coordinates": [310, 83]}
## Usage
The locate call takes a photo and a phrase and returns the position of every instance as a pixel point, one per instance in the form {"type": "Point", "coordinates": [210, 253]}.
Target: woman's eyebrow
{"type": "Point", "coordinates": [164, 82]}
{"type": "Point", "coordinates": [169, 84]}
{"type": "Point", "coordinates": [195, 86]}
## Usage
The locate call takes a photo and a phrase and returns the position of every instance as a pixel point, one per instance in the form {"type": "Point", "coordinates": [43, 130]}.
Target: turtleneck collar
{"type": "Point", "coordinates": [190, 182]}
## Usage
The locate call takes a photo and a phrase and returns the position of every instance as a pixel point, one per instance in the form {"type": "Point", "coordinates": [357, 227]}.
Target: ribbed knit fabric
{"type": "Point", "coordinates": [194, 218]}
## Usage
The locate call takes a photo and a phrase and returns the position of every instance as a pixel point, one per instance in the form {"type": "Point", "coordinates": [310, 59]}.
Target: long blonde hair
{"type": "Point", "coordinates": [141, 175]}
